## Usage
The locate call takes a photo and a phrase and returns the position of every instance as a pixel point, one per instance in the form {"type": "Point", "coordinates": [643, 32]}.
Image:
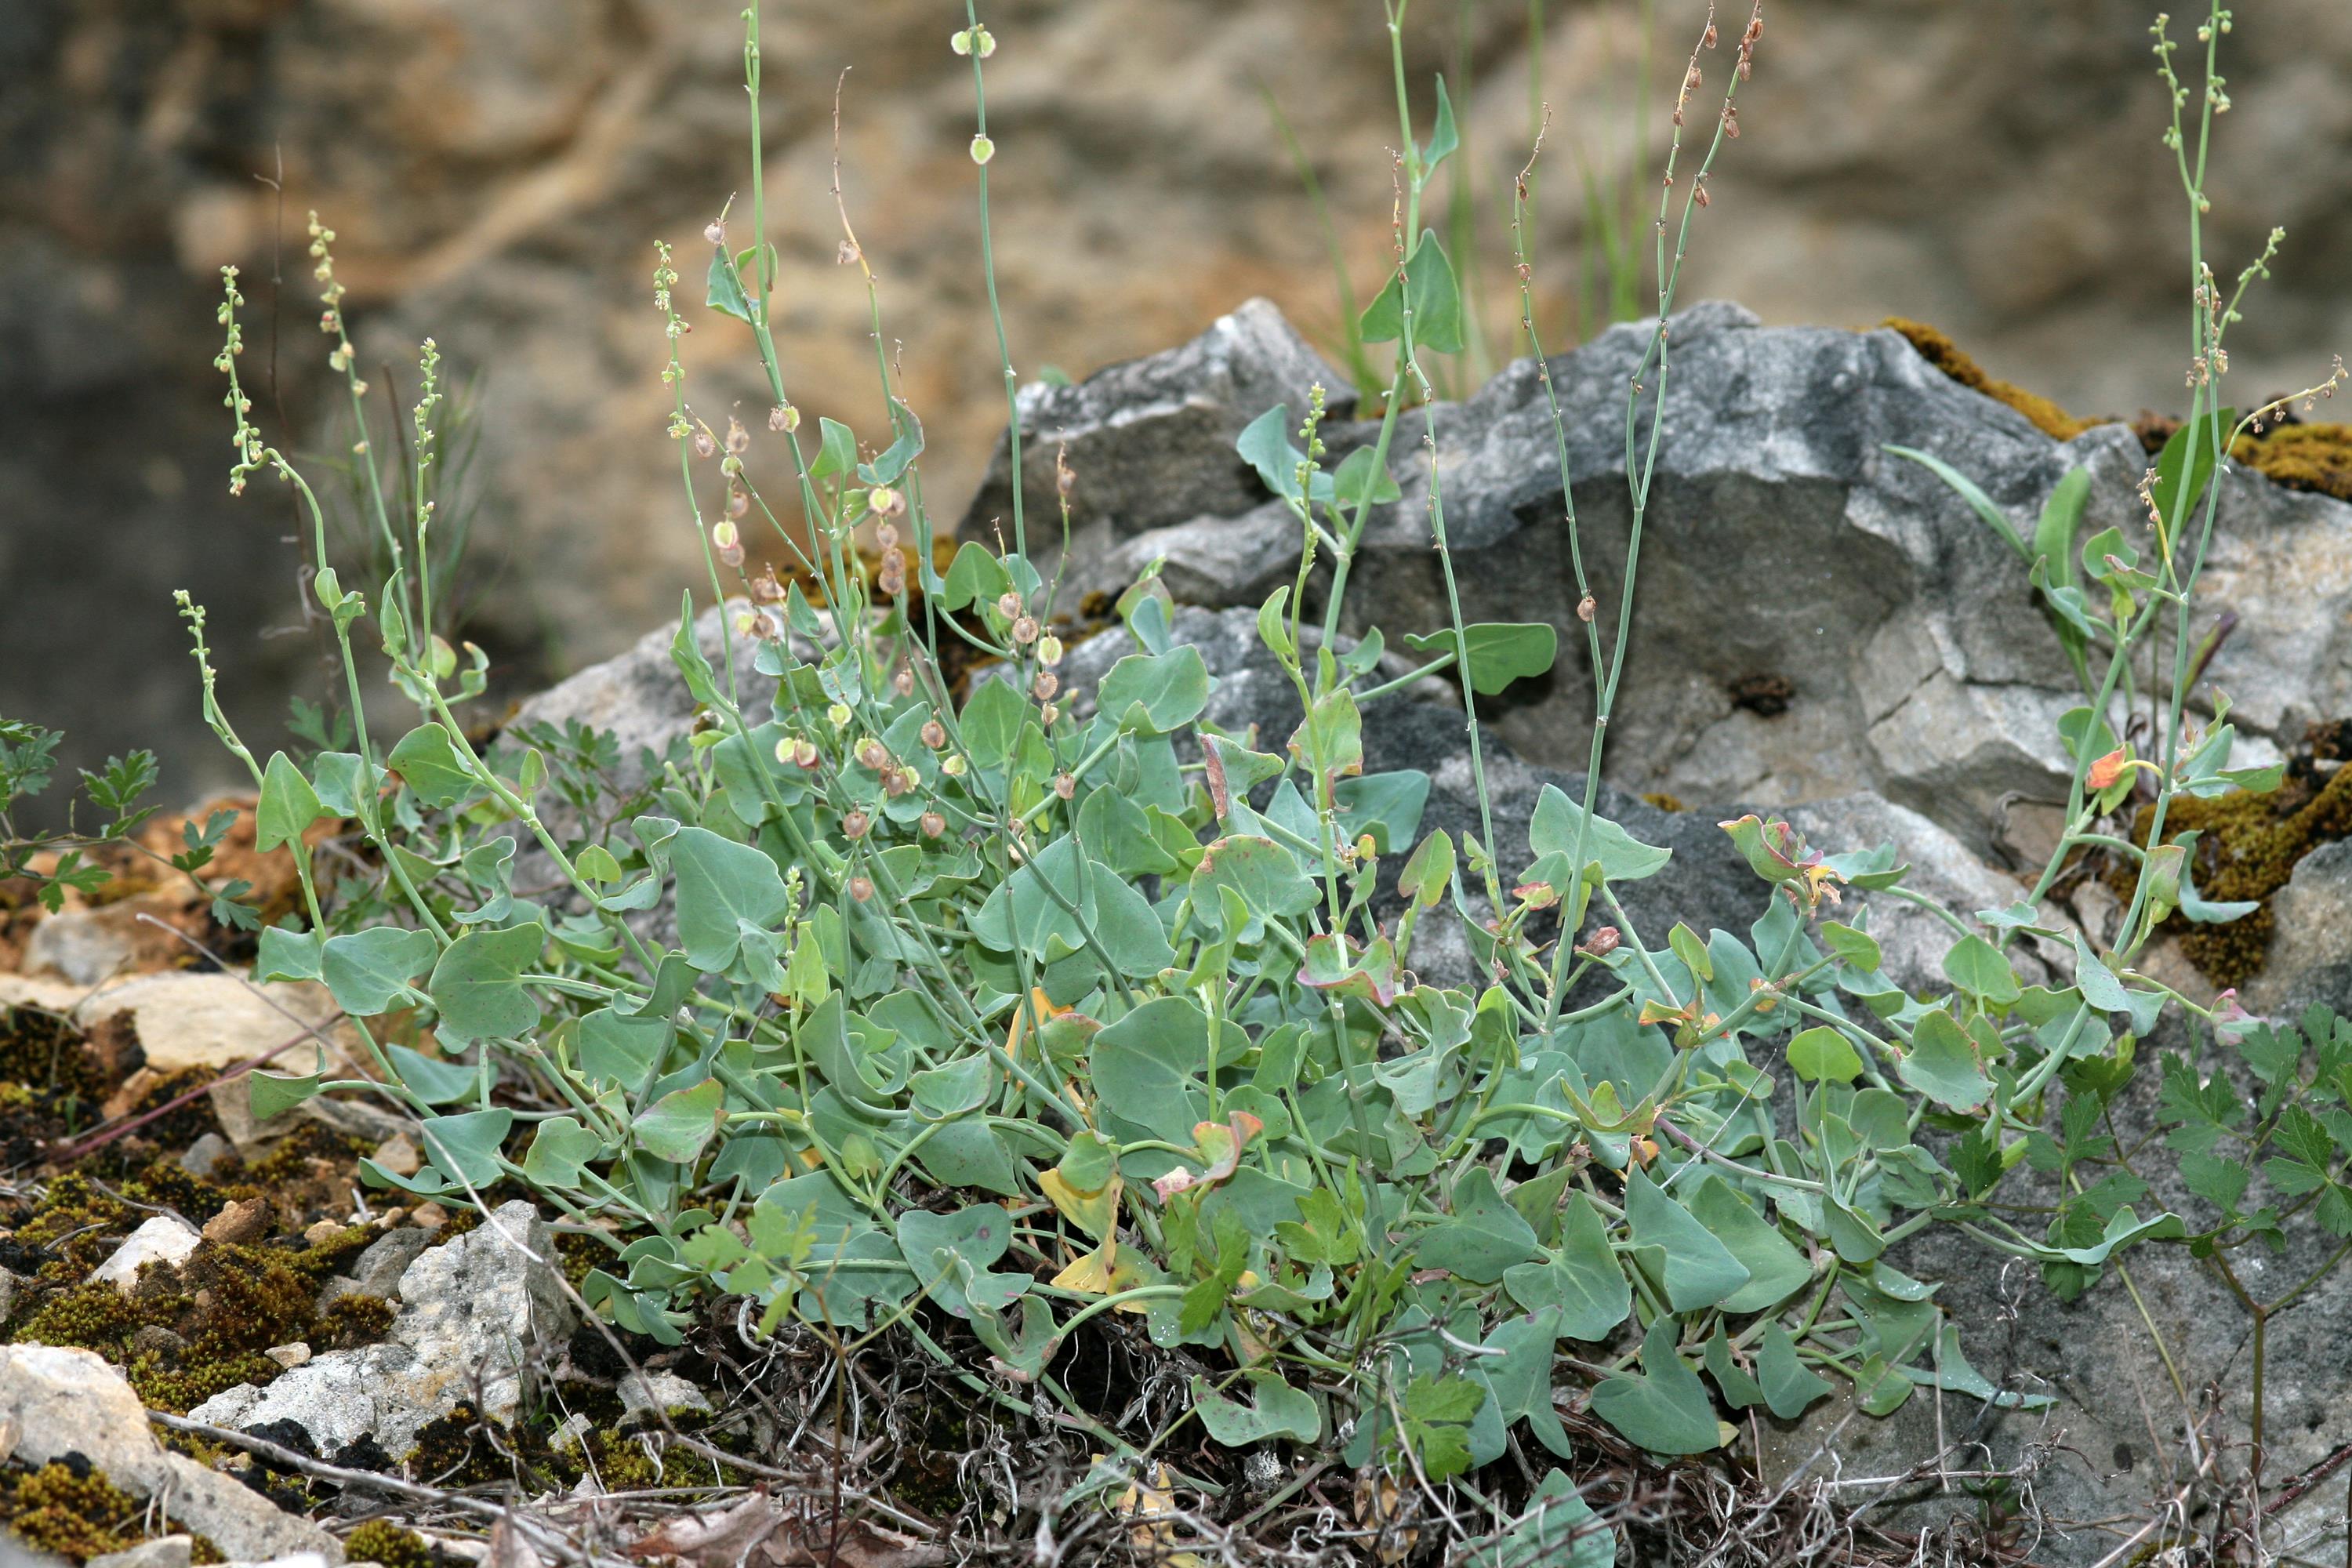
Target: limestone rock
{"type": "Point", "coordinates": [1784, 545]}
{"type": "Point", "coordinates": [477, 1315]}
{"type": "Point", "coordinates": [2310, 957]}
{"type": "Point", "coordinates": [647, 1396]}
{"type": "Point", "coordinates": [186, 1019]}
{"type": "Point", "coordinates": [377, 1270]}
{"type": "Point", "coordinates": [164, 1238]}
{"type": "Point", "coordinates": [1134, 434]}
{"type": "Point", "coordinates": [637, 697]}
{"type": "Point", "coordinates": [202, 1157]}
{"type": "Point", "coordinates": [60, 1400]}
{"type": "Point", "coordinates": [163, 1552]}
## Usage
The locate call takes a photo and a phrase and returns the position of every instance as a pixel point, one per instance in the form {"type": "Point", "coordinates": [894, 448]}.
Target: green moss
{"type": "Point", "coordinates": [379, 1541]}
{"type": "Point", "coordinates": [87, 1317]}
{"type": "Point", "coordinates": [81, 1225]}
{"type": "Point", "coordinates": [332, 1255]}
{"type": "Point", "coordinates": [74, 1512]}
{"type": "Point", "coordinates": [1947, 356]}
{"type": "Point", "coordinates": [78, 1516]}
{"type": "Point", "coordinates": [2247, 847]}
{"type": "Point", "coordinates": [354, 1320]}
{"type": "Point", "coordinates": [290, 1162]}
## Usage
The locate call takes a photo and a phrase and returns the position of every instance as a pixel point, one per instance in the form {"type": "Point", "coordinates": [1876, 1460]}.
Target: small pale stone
{"type": "Point", "coordinates": [288, 1356]}
{"type": "Point", "coordinates": [428, 1217]}
{"type": "Point", "coordinates": [324, 1230]}
{"type": "Point", "coordinates": [165, 1239]}
{"type": "Point", "coordinates": [646, 1396]}
{"type": "Point", "coordinates": [204, 1156]}
{"type": "Point", "coordinates": [398, 1154]}
{"type": "Point", "coordinates": [163, 1552]}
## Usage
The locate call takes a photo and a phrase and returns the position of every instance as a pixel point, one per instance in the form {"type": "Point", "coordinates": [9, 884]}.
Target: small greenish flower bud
{"type": "Point", "coordinates": [1049, 650]}
{"type": "Point", "coordinates": [982, 149]}
{"type": "Point", "coordinates": [953, 764]}
{"type": "Point", "coordinates": [724, 536]}
{"type": "Point", "coordinates": [840, 715]}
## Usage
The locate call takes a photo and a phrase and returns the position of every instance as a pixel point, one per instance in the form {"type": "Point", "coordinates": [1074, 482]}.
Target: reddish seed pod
{"type": "Point", "coordinates": [1024, 630]}
{"type": "Point", "coordinates": [1008, 603]}
{"type": "Point", "coordinates": [935, 735]}
{"type": "Point", "coordinates": [898, 782]}
{"type": "Point", "coordinates": [805, 753]}
{"type": "Point", "coordinates": [1045, 685]}
{"type": "Point", "coordinates": [903, 682]}
{"type": "Point", "coordinates": [703, 445]}
{"type": "Point", "coordinates": [932, 823]}
{"type": "Point", "coordinates": [739, 440]}
{"type": "Point", "coordinates": [1049, 714]}
{"type": "Point", "coordinates": [875, 755]}
{"type": "Point", "coordinates": [1600, 944]}
{"type": "Point", "coordinates": [1064, 786]}
{"type": "Point", "coordinates": [886, 536]}
{"type": "Point", "coordinates": [860, 889]}
{"type": "Point", "coordinates": [715, 232]}
{"type": "Point", "coordinates": [855, 823]}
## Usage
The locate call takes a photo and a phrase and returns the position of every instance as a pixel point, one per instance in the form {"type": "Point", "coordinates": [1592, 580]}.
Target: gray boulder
{"type": "Point", "coordinates": [479, 1316]}
{"type": "Point", "coordinates": [377, 1271]}
{"type": "Point", "coordinates": [1783, 545]}
{"type": "Point", "coordinates": [1151, 440]}
{"type": "Point", "coordinates": [2310, 957]}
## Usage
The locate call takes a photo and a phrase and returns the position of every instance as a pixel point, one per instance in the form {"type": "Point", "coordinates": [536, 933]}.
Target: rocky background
{"type": "Point", "coordinates": [497, 174]}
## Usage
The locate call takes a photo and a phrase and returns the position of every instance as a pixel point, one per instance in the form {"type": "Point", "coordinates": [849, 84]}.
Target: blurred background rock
{"type": "Point", "coordinates": [498, 174]}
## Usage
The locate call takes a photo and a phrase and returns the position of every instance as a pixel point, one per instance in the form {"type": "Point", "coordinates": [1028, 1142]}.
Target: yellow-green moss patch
{"type": "Point", "coordinates": [2247, 847]}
